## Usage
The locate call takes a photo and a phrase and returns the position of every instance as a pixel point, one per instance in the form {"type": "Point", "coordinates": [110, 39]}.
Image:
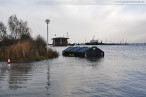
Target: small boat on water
{"type": "Point", "coordinates": [92, 42]}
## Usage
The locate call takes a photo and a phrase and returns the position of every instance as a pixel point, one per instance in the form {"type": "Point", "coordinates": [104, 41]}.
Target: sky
{"type": "Point", "coordinates": [105, 20]}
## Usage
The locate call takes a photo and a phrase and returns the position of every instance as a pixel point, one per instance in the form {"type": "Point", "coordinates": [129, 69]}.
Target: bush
{"type": "Point", "coordinates": [25, 37]}
{"type": "Point", "coordinates": [27, 51]}
{"type": "Point", "coordinates": [8, 41]}
{"type": "Point", "coordinates": [52, 53]}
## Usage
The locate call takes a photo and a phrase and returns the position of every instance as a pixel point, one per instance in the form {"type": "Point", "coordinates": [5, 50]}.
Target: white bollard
{"type": "Point", "coordinates": [9, 62]}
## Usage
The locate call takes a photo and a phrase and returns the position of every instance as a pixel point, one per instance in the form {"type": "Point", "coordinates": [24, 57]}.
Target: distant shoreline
{"type": "Point", "coordinates": [104, 44]}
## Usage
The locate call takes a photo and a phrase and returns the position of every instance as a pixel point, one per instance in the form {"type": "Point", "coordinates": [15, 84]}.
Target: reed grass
{"type": "Point", "coordinates": [26, 51]}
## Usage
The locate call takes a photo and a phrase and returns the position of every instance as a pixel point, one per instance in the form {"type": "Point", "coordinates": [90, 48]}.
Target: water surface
{"type": "Point", "coordinates": [122, 72]}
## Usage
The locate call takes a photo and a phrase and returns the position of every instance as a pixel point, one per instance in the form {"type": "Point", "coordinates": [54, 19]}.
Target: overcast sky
{"type": "Point", "coordinates": [82, 19]}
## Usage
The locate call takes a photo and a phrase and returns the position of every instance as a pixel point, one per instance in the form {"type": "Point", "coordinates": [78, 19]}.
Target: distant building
{"type": "Point", "coordinates": [60, 41]}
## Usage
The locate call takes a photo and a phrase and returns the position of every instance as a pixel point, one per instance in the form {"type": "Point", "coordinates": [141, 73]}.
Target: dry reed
{"type": "Point", "coordinates": [25, 51]}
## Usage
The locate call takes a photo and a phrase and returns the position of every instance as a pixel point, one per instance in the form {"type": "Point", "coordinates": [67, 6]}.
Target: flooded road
{"type": "Point", "coordinates": [122, 72]}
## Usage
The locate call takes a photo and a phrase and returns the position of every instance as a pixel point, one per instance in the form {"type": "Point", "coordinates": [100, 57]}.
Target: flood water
{"type": "Point", "coordinates": [121, 73]}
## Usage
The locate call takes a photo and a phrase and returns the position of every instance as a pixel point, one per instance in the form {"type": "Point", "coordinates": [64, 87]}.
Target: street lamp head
{"type": "Point", "coordinates": [47, 21]}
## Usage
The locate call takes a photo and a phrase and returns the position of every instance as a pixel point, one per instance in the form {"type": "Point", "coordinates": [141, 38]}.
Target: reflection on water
{"type": "Point", "coordinates": [48, 80]}
{"type": "Point", "coordinates": [17, 75]}
{"type": "Point", "coordinates": [24, 79]}
{"type": "Point", "coordinates": [122, 72]}
{"type": "Point", "coordinates": [95, 59]}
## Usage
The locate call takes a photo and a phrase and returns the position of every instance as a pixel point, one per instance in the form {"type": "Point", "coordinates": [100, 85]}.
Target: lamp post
{"type": "Point", "coordinates": [47, 21]}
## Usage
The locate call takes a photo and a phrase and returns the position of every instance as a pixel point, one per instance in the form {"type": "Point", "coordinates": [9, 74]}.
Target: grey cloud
{"type": "Point", "coordinates": [75, 2]}
{"type": "Point", "coordinates": [82, 22]}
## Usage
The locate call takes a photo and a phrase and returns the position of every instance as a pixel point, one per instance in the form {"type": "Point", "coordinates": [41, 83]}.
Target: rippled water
{"type": "Point", "coordinates": [122, 73]}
